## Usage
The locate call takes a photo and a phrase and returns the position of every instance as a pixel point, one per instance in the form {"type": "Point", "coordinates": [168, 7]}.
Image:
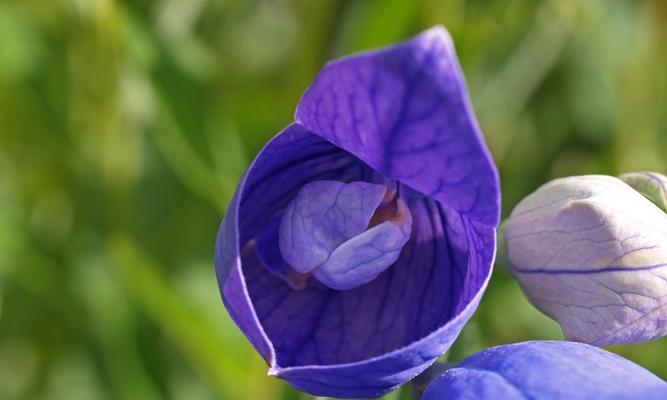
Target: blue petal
{"type": "Point", "coordinates": [323, 231]}
{"type": "Point", "coordinates": [404, 110]}
{"type": "Point", "coordinates": [268, 250]}
{"type": "Point", "coordinates": [362, 258]}
{"type": "Point", "coordinates": [546, 370]}
{"type": "Point", "coordinates": [323, 215]}
{"type": "Point", "coordinates": [268, 253]}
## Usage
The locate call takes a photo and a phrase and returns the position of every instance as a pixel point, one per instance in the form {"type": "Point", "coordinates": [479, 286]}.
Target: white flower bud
{"type": "Point", "coordinates": [591, 252]}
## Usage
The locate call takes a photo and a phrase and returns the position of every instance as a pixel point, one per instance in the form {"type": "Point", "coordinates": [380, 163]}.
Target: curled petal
{"type": "Point", "coordinates": [546, 370]}
{"type": "Point", "coordinates": [592, 253]}
{"type": "Point", "coordinates": [404, 111]}
{"type": "Point", "coordinates": [268, 254]}
{"type": "Point", "coordinates": [324, 215]}
{"type": "Point", "coordinates": [268, 250]}
{"type": "Point", "coordinates": [323, 232]}
{"type": "Point", "coordinates": [363, 258]}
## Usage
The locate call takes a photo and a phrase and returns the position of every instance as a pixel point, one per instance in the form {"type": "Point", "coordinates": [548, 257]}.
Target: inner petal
{"type": "Point", "coordinates": [345, 234]}
{"type": "Point", "coordinates": [268, 253]}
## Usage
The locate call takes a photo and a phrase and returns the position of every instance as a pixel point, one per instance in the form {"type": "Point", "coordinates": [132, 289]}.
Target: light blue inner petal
{"type": "Point", "coordinates": [323, 215]}
{"type": "Point", "coordinates": [325, 231]}
{"type": "Point", "coordinates": [362, 258]}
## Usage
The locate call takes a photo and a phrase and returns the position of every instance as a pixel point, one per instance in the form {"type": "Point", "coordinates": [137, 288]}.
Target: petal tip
{"type": "Point", "coordinates": [438, 31]}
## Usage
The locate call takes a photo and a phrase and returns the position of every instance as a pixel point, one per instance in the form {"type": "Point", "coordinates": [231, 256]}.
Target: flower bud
{"type": "Point", "coordinates": [591, 252]}
{"type": "Point", "coordinates": [651, 185]}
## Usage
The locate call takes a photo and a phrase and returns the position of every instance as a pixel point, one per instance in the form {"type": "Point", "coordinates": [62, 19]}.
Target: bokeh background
{"type": "Point", "coordinates": [125, 125]}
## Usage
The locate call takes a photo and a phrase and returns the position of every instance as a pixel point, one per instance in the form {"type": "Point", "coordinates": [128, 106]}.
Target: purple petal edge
{"type": "Point", "coordinates": [547, 370]}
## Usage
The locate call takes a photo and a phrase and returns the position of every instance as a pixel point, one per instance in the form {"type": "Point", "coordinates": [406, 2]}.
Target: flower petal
{"type": "Point", "coordinates": [268, 253]}
{"type": "Point", "coordinates": [546, 370]}
{"type": "Point", "coordinates": [322, 216]}
{"type": "Point", "coordinates": [404, 110]}
{"type": "Point", "coordinates": [268, 250]}
{"type": "Point", "coordinates": [590, 252]}
{"type": "Point", "coordinates": [362, 258]}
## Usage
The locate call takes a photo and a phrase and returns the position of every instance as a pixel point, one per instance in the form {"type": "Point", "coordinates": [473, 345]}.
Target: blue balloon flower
{"type": "Point", "coordinates": [545, 370]}
{"type": "Point", "coordinates": [361, 238]}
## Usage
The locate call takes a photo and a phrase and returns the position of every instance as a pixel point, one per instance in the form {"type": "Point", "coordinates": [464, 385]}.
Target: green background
{"type": "Point", "coordinates": [124, 127]}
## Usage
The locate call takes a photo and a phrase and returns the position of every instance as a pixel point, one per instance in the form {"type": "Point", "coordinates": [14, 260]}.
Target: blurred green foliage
{"type": "Point", "coordinates": [125, 125]}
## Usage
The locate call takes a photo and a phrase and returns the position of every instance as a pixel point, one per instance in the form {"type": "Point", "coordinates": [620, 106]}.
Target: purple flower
{"type": "Point", "coordinates": [361, 238]}
{"type": "Point", "coordinates": [545, 370]}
